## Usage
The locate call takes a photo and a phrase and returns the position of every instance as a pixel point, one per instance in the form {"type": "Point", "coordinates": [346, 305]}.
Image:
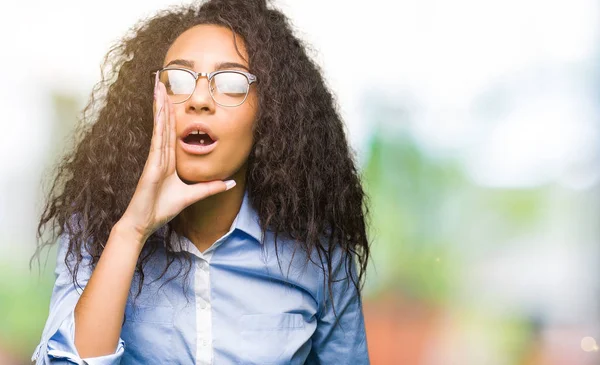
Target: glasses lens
{"type": "Point", "coordinates": [229, 88]}
{"type": "Point", "coordinates": [180, 84]}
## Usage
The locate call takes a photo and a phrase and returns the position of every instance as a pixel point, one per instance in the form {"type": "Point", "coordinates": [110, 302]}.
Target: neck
{"type": "Point", "coordinates": [209, 219]}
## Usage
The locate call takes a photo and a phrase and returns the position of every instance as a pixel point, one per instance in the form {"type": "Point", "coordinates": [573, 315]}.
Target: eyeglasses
{"type": "Point", "coordinates": [228, 88]}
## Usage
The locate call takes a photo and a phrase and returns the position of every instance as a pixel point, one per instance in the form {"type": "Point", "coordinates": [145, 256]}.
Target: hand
{"type": "Point", "coordinates": [160, 194]}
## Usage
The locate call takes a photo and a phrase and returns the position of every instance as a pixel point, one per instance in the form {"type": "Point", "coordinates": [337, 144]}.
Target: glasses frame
{"type": "Point", "coordinates": [209, 75]}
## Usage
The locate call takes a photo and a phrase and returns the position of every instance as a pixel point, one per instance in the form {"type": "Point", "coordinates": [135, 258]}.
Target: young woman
{"type": "Point", "coordinates": [222, 222]}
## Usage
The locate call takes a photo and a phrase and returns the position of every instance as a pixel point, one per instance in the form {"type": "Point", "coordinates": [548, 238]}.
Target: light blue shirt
{"type": "Point", "coordinates": [240, 307]}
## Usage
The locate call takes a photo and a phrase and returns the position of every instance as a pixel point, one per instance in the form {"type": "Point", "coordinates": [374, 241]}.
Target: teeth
{"type": "Point", "coordinates": [197, 132]}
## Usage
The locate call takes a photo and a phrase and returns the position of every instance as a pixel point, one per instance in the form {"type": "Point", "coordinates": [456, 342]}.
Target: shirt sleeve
{"type": "Point", "coordinates": [342, 340]}
{"type": "Point", "coordinates": [57, 345]}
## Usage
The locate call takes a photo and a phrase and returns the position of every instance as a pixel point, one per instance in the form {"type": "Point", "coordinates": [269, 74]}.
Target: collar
{"type": "Point", "coordinates": [246, 220]}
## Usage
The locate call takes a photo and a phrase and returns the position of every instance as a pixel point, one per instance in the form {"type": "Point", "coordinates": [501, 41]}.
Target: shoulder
{"type": "Point", "coordinates": [314, 266]}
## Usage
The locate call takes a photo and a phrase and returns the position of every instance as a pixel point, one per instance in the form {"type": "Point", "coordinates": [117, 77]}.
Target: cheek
{"type": "Point", "coordinates": [240, 138]}
{"type": "Point", "coordinates": [237, 139]}
{"type": "Point", "coordinates": [242, 125]}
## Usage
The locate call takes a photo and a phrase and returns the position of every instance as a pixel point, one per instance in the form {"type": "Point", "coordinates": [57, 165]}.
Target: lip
{"type": "Point", "coordinates": [193, 148]}
{"type": "Point", "coordinates": [196, 149]}
{"type": "Point", "coordinates": [197, 126]}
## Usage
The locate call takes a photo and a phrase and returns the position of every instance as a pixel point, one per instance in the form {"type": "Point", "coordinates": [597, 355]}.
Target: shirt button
{"type": "Point", "coordinates": [201, 304]}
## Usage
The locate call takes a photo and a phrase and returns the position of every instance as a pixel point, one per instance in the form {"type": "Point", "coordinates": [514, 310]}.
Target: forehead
{"type": "Point", "coordinates": [207, 45]}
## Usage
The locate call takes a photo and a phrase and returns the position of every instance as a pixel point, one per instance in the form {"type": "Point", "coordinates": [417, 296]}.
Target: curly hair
{"type": "Point", "coordinates": [301, 177]}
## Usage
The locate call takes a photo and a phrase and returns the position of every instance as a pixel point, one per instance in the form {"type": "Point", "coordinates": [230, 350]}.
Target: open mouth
{"type": "Point", "coordinates": [198, 138]}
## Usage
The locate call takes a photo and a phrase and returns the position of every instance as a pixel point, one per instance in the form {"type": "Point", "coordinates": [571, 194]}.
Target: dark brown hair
{"type": "Point", "coordinates": [301, 177]}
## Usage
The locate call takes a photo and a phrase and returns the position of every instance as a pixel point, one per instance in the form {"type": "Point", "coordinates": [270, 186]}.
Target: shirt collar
{"type": "Point", "coordinates": [246, 221]}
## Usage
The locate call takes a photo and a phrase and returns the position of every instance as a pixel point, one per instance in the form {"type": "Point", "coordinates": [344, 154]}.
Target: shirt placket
{"type": "Point", "coordinates": [203, 312]}
{"type": "Point", "coordinates": [204, 345]}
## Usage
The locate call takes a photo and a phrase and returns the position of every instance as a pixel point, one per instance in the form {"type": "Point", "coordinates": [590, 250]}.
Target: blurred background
{"type": "Point", "coordinates": [476, 127]}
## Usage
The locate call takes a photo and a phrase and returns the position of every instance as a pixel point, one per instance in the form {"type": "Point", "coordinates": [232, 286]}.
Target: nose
{"type": "Point", "coordinates": [201, 100]}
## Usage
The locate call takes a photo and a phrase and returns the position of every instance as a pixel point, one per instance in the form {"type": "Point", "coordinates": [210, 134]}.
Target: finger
{"type": "Point", "coordinates": [155, 102]}
{"type": "Point", "coordinates": [157, 135]}
{"type": "Point", "coordinates": [172, 138]}
{"type": "Point", "coordinates": [199, 191]}
{"type": "Point", "coordinates": [165, 118]}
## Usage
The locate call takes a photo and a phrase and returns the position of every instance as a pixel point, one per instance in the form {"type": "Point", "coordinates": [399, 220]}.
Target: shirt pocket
{"type": "Point", "coordinates": [147, 332]}
{"type": "Point", "coordinates": [271, 338]}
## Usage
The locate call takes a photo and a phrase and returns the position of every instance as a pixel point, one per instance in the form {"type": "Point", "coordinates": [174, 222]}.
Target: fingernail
{"type": "Point", "coordinates": [229, 184]}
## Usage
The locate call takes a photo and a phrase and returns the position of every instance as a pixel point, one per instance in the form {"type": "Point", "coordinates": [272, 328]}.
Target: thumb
{"type": "Point", "coordinates": [203, 190]}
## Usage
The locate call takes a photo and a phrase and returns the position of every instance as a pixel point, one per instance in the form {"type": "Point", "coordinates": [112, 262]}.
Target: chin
{"type": "Point", "coordinates": [192, 181]}
{"type": "Point", "coordinates": [191, 175]}
{"type": "Point", "coordinates": [202, 173]}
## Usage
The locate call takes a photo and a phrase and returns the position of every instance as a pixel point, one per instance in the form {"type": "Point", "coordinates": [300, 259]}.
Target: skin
{"type": "Point", "coordinates": [206, 46]}
{"type": "Point", "coordinates": [173, 185]}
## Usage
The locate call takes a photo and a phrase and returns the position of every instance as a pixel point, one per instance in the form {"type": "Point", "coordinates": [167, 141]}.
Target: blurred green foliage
{"type": "Point", "coordinates": [427, 217]}
{"type": "Point", "coordinates": [412, 198]}
{"type": "Point", "coordinates": [24, 302]}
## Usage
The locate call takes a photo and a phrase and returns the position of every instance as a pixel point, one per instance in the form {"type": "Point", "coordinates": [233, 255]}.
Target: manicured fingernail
{"type": "Point", "coordinates": [229, 184]}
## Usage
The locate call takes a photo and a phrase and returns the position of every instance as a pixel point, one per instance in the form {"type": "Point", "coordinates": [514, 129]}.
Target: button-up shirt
{"type": "Point", "coordinates": [237, 305]}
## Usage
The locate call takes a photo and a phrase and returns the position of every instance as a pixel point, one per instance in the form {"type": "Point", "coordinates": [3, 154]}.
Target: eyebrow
{"type": "Point", "coordinates": [218, 66]}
